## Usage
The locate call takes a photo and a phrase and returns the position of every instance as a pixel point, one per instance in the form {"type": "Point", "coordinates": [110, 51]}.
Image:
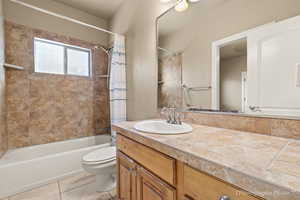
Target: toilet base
{"type": "Point", "coordinates": [105, 182]}
{"type": "Point", "coordinates": [105, 173]}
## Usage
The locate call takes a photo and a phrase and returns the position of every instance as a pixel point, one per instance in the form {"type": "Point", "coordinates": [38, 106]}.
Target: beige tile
{"type": "Point", "coordinates": [87, 192]}
{"type": "Point", "coordinates": [18, 129]}
{"type": "Point", "coordinates": [286, 128]}
{"type": "Point", "coordinates": [59, 107]}
{"type": "Point", "coordinates": [18, 45]}
{"type": "Point", "coordinates": [101, 115]}
{"type": "Point", "coordinates": [99, 62]}
{"type": "Point", "coordinates": [48, 192]}
{"type": "Point", "coordinates": [262, 125]}
{"type": "Point", "coordinates": [288, 161]}
{"type": "Point", "coordinates": [49, 36]}
{"type": "Point", "coordinates": [241, 123]}
{"type": "Point", "coordinates": [76, 181]}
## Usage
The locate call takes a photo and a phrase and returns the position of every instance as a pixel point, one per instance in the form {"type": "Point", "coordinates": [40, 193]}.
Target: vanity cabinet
{"type": "Point", "coordinates": [198, 185]}
{"type": "Point", "coordinates": [126, 177]}
{"type": "Point", "coordinates": [137, 183]}
{"type": "Point", "coordinates": [149, 187]}
{"type": "Point", "coordinates": [159, 164]}
{"type": "Point", "coordinates": [147, 174]}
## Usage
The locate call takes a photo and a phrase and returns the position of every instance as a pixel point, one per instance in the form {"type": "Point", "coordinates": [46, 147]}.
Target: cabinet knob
{"type": "Point", "coordinates": [224, 198]}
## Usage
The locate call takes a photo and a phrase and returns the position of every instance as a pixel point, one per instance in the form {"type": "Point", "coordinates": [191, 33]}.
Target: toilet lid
{"type": "Point", "coordinates": [103, 154]}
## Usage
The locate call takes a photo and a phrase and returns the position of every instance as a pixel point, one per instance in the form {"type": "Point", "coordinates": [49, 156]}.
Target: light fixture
{"type": "Point", "coordinates": [193, 1]}
{"type": "Point", "coordinates": [182, 6]}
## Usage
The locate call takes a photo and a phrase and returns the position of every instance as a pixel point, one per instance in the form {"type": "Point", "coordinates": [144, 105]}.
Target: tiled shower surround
{"type": "Point", "coordinates": [44, 108]}
{"type": "Point", "coordinates": [170, 75]}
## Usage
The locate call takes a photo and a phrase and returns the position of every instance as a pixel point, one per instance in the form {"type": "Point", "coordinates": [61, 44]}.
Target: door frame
{"type": "Point", "coordinates": [244, 91]}
{"type": "Point", "coordinates": [216, 46]}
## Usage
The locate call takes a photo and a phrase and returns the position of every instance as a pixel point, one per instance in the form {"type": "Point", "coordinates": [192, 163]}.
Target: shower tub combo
{"type": "Point", "coordinates": [26, 168]}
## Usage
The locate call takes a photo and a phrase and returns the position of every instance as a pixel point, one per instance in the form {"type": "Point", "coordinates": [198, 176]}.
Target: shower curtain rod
{"type": "Point", "coordinates": [62, 16]}
{"type": "Point", "coordinates": [13, 66]}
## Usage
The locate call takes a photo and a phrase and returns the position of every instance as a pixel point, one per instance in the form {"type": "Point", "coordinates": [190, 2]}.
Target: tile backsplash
{"type": "Point", "coordinates": [44, 108]}
{"type": "Point", "coordinates": [268, 126]}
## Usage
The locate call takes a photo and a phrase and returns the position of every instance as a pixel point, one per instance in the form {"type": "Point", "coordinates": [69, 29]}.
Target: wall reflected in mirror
{"type": "Point", "coordinates": [233, 76]}
{"type": "Point", "coordinates": [230, 56]}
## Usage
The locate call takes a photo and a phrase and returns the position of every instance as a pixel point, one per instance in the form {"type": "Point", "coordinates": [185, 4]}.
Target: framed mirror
{"type": "Point", "coordinates": [234, 56]}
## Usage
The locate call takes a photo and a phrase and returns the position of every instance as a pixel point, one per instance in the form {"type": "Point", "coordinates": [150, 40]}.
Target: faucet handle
{"type": "Point", "coordinates": [163, 110]}
{"type": "Point", "coordinates": [165, 113]}
{"type": "Point", "coordinates": [179, 117]}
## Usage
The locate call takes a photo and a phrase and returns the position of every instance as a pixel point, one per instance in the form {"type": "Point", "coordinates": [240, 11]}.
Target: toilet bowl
{"type": "Point", "coordinates": [102, 163]}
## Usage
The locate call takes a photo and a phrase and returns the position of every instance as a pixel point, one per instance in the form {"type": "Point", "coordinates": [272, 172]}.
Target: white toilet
{"type": "Point", "coordinates": [102, 163]}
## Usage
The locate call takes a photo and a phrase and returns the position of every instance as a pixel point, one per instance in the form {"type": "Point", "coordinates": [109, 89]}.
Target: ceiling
{"type": "Point", "coordinates": [174, 21]}
{"type": "Point", "coordinates": [100, 8]}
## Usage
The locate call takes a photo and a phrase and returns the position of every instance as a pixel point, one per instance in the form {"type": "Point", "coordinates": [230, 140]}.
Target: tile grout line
{"type": "Point", "coordinates": [269, 166]}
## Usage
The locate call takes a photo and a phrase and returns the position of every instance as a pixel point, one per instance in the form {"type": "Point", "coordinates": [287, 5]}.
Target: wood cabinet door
{"type": "Point", "coordinates": [149, 187]}
{"type": "Point", "coordinates": [126, 178]}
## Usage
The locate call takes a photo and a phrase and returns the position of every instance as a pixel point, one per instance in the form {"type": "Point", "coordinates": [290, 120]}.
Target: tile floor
{"type": "Point", "coordinates": [77, 187]}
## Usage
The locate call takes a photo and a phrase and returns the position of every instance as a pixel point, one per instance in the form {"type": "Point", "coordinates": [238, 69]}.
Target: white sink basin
{"type": "Point", "coordinates": [162, 127]}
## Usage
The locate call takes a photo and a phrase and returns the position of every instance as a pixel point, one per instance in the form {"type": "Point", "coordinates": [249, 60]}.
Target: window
{"type": "Point", "coordinates": [58, 58]}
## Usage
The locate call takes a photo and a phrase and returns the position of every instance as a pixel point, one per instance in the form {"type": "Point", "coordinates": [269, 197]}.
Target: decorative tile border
{"type": "Point", "coordinates": [267, 126]}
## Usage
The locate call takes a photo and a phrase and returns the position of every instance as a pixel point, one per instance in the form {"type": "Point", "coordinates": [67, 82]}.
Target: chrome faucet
{"type": "Point", "coordinates": [172, 115]}
{"type": "Point", "coordinates": [255, 108]}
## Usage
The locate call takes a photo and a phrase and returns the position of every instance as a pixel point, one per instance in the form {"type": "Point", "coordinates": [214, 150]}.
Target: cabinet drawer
{"type": "Point", "coordinates": [198, 186]}
{"type": "Point", "coordinates": [158, 163]}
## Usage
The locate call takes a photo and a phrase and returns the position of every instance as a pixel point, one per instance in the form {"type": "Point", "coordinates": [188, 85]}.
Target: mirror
{"type": "Point", "coordinates": [231, 56]}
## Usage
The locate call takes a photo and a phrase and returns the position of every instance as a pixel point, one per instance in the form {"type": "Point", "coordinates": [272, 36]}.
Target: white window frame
{"type": "Point", "coordinates": [66, 47]}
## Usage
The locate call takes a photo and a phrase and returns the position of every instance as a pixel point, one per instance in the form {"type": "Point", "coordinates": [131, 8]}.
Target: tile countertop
{"type": "Point", "coordinates": [263, 165]}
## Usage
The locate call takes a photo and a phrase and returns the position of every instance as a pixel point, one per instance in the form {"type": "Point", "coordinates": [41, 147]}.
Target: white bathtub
{"type": "Point", "coordinates": [26, 168]}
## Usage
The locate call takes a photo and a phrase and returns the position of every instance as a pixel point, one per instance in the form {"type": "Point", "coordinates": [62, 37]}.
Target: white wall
{"type": "Point", "coordinates": [3, 133]}
{"type": "Point", "coordinates": [35, 19]}
{"type": "Point", "coordinates": [231, 82]}
{"type": "Point", "coordinates": [137, 20]}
